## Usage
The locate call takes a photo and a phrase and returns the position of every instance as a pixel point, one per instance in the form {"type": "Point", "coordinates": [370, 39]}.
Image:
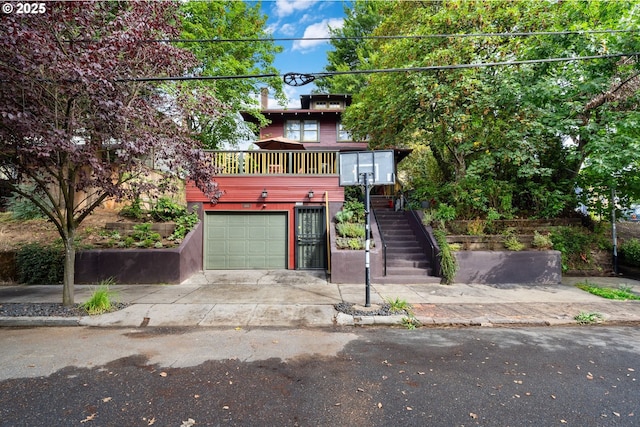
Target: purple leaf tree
{"type": "Point", "coordinates": [74, 129]}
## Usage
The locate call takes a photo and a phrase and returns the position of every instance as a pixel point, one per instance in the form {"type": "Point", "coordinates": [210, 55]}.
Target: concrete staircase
{"type": "Point", "coordinates": [407, 262]}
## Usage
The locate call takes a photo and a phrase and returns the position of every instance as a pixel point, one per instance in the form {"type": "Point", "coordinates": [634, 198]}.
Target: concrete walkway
{"type": "Point", "coordinates": [290, 298]}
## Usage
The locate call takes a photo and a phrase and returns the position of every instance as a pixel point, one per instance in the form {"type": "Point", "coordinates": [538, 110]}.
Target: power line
{"type": "Point", "coordinates": [399, 37]}
{"type": "Point", "coordinates": [300, 79]}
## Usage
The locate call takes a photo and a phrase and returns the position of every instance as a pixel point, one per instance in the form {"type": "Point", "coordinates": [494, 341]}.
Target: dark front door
{"type": "Point", "coordinates": [311, 238]}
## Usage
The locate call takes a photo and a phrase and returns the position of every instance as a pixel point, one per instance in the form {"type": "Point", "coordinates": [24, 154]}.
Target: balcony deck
{"type": "Point", "coordinates": [275, 162]}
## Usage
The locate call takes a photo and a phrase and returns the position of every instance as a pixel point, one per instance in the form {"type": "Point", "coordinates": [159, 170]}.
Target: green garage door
{"type": "Point", "coordinates": [245, 241]}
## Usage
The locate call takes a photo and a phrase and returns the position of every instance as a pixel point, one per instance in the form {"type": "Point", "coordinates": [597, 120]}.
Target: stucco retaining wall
{"type": "Point", "coordinates": [500, 267]}
{"type": "Point", "coordinates": [142, 266]}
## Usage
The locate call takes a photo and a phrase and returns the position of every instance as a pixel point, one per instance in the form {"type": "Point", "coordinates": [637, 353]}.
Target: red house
{"type": "Point", "coordinates": [273, 213]}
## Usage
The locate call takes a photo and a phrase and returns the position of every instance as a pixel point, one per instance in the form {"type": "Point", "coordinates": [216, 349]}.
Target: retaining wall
{"type": "Point", "coordinates": [499, 267]}
{"type": "Point", "coordinates": [142, 266]}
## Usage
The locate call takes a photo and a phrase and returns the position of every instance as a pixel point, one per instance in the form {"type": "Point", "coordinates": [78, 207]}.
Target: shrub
{"type": "Point", "coordinates": [184, 224]}
{"type": "Point", "coordinates": [40, 264]}
{"type": "Point", "coordinates": [476, 227]}
{"type": "Point", "coordinates": [347, 229]}
{"type": "Point", "coordinates": [445, 212]}
{"type": "Point", "coordinates": [448, 264]}
{"type": "Point", "coordinates": [357, 208]}
{"type": "Point", "coordinates": [344, 216]}
{"type": "Point", "coordinates": [575, 245]}
{"type": "Point", "coordinates": [542, 242]}
{"type": "Point", "coordinates": [23, 209]}
{"type": "Point", "coordinates": [511, 241]}
{"type": "Point", "coordinates": [166, 209]}
{"type": "Point", "coordinates": [630, 252]}
{"type": "Point", "coordinates": [134, 210]}
{"type": "Point", "coordinates": [144, 236]}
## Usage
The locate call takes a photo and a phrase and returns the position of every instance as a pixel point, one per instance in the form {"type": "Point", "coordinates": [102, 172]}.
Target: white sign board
{"type": "Point", "coordinates": [378, 165]}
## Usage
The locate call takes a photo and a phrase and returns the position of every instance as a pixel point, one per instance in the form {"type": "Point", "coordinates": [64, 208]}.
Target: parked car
{"type": "Point", "coordinates": [631, 214]}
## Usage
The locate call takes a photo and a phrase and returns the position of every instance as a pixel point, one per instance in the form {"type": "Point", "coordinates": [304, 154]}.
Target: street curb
{"type": "Point", "coordinates": [37, 321]}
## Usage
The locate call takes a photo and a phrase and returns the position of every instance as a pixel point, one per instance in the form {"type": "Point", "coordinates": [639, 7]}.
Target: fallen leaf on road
{"type": "Point", "coordinates": [379, 405]}
{"type": "Point", "coordinates": [338, 404]}
{"type": "Point", "coordinates": [617, 414]}
{"type": "Point", "coordinates": [474, 416]}
{"type": "Point", "coordinates": [152, 421]}
{"type": "Point", "coordinates": [163, 374]}
{"type": "Point", "coordinates": [89, 418]}
{"type": "Point", "coordinates": [196, 396]}
{"type": "Point", "coordinates": [589, 376]}
{"type": "Point", "coordinates": [552, 396]}
{"type": "Point", "coordinates": [106, 399]}
{"type": "Point", "coordinates": [225, 407]}
{"type": "Point", "coordinates": [189, 423]}
{"type": "Point", "coordinates": [420, 373]}
{"type": "Point", "coordinates": [361, 390]}
{"type": "Point", "coordinates": [409, 408]}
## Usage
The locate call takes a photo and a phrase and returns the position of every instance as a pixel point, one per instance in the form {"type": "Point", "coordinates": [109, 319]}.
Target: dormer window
{"type": "Point", "coordinates": [335, 105]}
{"type": "Point", "coordinates": [321, 105]}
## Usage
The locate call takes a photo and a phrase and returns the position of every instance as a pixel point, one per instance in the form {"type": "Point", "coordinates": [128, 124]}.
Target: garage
{"type": "Point", "coordinates": [244, 241]}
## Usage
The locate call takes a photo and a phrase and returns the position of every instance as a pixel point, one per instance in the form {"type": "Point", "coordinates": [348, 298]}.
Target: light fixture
{"type": "Point", "coordinates": [310, 194]}
{"type": "Point", "coordinates": [264, 193]}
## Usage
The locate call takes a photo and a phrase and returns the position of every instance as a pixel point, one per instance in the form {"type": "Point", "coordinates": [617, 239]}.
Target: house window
{"type": "Point", "coordinates": [321, 104]}
{"type": "Point", "coordinates": [301, 130]}
{"type": "Point", "coordinates": [335, 104]}
{"type": "Point", "coordinates": [343, 134]}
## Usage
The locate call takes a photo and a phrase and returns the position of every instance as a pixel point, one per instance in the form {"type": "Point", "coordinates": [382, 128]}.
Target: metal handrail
{"type": "Point", "coordinates": [429, 240]}
{"type": "Point", "coordinates": [384, 244]}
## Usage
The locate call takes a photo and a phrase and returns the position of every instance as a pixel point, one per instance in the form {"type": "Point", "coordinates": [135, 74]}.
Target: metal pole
{"type": "Point", "coordinates": [614, 237]}
{"type": "Point", "coordinates": [367, 271]}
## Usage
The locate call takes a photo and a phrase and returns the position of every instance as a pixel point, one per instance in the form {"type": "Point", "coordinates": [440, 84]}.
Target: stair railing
{"type": "Point", "coordinates": [433, 247]}
{"type": "Point", "coordinates": [384, 244]}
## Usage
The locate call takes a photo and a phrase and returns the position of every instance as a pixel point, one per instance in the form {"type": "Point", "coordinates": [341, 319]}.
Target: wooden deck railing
{"type": "Point", "coordinates": [275, 162]}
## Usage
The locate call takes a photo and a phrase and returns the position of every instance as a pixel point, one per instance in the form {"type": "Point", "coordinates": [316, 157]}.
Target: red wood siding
{"type": "Point", "coordinates": [287, 189]}
{"type": "Point", "coordinates": [243, 194]}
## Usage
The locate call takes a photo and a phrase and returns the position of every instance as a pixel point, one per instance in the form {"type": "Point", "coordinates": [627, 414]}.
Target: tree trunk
{"type": "Point", "coordinates": [69, 270]}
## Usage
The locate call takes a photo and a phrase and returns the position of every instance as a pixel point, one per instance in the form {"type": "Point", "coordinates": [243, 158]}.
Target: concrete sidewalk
{"type": "Point", "coordinates": [291, 298]}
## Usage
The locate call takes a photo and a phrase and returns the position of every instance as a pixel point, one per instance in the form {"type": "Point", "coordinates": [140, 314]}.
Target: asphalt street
{"type": "Point", "coordinates": [576, 376]}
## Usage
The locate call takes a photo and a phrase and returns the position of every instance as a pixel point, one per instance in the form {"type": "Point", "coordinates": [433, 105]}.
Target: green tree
{"type": "Point", "coordinates": [350, 50]}
{"type": "Point", "coordinates": [234, 21]}
{"type": "Point", "coordinates": [510, 138]}
{"type": "Point", "coordinates": [74, 130]}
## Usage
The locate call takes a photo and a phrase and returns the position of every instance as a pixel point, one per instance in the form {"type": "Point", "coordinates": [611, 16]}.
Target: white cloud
{"type": "Point", "coordinates": [287, 7]}
{"type": "Point", "coordinates": [318, 30]}
{"type": "Point", "coordinates": [288, 29]}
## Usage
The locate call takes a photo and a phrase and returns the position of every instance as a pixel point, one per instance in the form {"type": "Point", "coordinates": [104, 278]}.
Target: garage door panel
{"type": "Point", "coordinates": [245, 241]}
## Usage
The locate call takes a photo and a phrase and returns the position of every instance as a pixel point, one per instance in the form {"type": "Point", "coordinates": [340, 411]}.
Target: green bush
{"type": "Point", "coordinates": [542, 241]}
{"type": "Point", "coordinates": [575, 244]}
{"type": "Point", "coordinates": [23, 209]}
{"type": "Point", "coordinates": [448, 264]}
{"type": "Point", "coordinates": [344, 216]}
{"type": "Point", "coordinates": [144, 236]}
{"type": "Point", "coordinates": [630, 252]}
{"type": "Point", "coordinates": [184, 224]}
{"type": "Point", "coordinates": [357, 208]}
{"type": "Point", "coordinates": [445, 212]}
{"type": "Point", "coordinates": [40, 265]}
{"type": "Point", "coordinates": [166, 209]}
{"type": "Point", "coordinates": [134, 210]}
{"type": "Point", "coordinates": [348, 229]}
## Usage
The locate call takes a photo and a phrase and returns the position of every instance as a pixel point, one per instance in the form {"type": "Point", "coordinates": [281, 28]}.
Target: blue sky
{"type": "Point", "coordinates": [302, 18]}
